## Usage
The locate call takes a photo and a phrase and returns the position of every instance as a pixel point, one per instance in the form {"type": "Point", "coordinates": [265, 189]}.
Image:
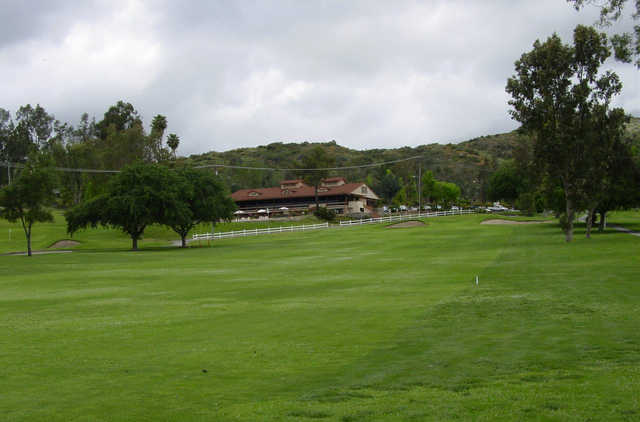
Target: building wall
{"type": "Point", "coordinates": [359, 205]}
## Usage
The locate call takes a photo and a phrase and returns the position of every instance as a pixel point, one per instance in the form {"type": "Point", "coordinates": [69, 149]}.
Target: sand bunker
{"type": "Point", "coordinates": [498, 221]}
{"type": "Point", "coordinates": [66, 243]}
{"type": "Point", "coordinates": [406, 224]}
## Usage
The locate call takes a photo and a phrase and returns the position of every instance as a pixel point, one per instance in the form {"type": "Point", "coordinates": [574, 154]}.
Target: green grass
{"type": "Point", "coordinates": [43, 236]}
{"type": "Point", "coordinates": [351, 324]}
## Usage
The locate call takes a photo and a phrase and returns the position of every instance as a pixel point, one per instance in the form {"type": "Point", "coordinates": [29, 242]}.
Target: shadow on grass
{"type": "Point", "coordinates": [148, 249]}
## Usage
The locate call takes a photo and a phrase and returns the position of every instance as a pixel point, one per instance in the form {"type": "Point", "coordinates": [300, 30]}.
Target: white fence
{"type": "Point", "coordinates": [403, 217]}
{"type": "Point", "coordinates": [304, 227]}
{"type": "Point", "coordinates": [256, 232]}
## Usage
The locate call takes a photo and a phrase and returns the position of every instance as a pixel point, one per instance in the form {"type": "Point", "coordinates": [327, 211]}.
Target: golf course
{"type": "Point", "coordinates": [449, 320]}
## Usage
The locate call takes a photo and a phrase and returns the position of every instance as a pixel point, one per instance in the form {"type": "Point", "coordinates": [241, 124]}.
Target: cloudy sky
{"type": "Point", "coordinates": [230, 74]}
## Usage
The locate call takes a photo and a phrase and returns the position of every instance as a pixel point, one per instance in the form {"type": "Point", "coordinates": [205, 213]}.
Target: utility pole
{"type": "Point", "coordinates": [419, 187]}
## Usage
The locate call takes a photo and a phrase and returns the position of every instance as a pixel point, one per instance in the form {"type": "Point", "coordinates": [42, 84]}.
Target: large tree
{"type": "Point", "coordinates": [620, 186]}
{"type": "Point", "coordinates": [554, 93]}
{"type": "Point", "coordinates": [26, 199]}
{"type": "Point", "coordinates": [140, 195]}
{"type": "Point", "coordinates": [203, 199]}
{"type": "Point", "coordinates": [607, 151]}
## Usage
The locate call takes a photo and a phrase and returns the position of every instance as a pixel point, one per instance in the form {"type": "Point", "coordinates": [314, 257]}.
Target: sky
{"type": "Point", "coordinates": [232, 74]}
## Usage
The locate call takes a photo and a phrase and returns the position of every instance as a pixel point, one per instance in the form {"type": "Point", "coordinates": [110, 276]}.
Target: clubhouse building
{"type": "Point", "coordinates": [294, 197]}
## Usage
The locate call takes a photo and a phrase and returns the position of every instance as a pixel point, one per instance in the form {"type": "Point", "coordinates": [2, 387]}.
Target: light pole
{"type": "Point", "coordinates": [419, 188]}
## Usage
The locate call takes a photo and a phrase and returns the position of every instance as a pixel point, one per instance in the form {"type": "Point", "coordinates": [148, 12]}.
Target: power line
{"type": "Point", "coordinates": [80, 170]}
{"type": "Point", "coordinates": [302, 169]}
{"type": "Point", "coordinates": [65, 169]}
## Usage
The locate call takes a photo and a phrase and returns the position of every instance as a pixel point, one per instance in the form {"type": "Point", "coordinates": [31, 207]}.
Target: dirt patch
{"type": "Point", "coordinates": [499, 221]}
{"type": "Point", "coordinates": [406, 224]}
{"type": "Point", "coordinates": [66, 243]}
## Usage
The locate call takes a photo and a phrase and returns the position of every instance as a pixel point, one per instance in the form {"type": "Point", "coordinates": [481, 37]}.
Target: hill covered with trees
{"type": "Point", "coordinates": [468, 164]}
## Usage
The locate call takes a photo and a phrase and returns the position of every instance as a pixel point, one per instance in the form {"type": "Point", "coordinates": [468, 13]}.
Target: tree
{"type": "Point", "coordinates": [173, 141]}
{"type": "Point", "coordinates": [125, 147]}
{"type": "Point", "coordinates": [6, 127]}
{"type": "Point", "coordinates": [203, 198]}
{"type": "Point", "coordinates": [626, 45]}
{"type": "Point", "coordinates": [400, 198]}
{"type": "Point", "coordinates": [605, 153]}
{"type": "Point", "coordinates": [428, 185]}
{"type": "Point", "coordinates": [389, 186]}
{"type": "Point", "coordinates": [449, 192]}
{"type": "Point", "coordinates": [554, 93]}
{"type": "Point", "coordinates": [317, 159]}
{"type": "Point", "coordinates": [35, 124]}
{"type": "Point", "coordinates": [26, 198]}
{"type": "Point", "coordinates": [621, 183]}
{"type": "Point", "coordinates": [140, 195]}
{"type": "Point", "coordinates": [30, 132]}
{"type": "Point", "coordinates": [119, 117]}
{"type": "Point", "coordinates": [507, 183]}
{"type": "Point", "coordinates": [158, 126]}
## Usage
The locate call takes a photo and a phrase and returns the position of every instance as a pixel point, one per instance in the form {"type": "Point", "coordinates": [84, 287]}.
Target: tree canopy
{"type": "Point", "coordinates": [27, 198]}
{"type": "Point", "coordinates": [562, 100]}
{"type": "Point", "coordinates": [203, 198]}
{"type": "Point", "coordinates": [140, 195]}
{"type": "Point", "coordinates": [626, 45]}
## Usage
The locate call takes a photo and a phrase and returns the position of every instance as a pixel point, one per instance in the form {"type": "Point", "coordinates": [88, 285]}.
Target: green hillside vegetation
{"type": "Point", "coordinates": [468, 164]}
{"type": "Point", "coordinates": [351, 324]}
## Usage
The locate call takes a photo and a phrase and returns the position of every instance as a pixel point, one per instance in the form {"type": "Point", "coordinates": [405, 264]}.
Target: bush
{"type": "Point", "coordinates": [324, 213]}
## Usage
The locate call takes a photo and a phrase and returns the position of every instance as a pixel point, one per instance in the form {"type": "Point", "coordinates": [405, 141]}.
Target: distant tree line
{"type": "Point", "coordinates": [119, 139]}
{"type": "Point", "coordinates": [150, 187]}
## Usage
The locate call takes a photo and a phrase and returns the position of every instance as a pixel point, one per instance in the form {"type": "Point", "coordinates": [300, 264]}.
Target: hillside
{"type": "Point", "coordinates": [468, 164]}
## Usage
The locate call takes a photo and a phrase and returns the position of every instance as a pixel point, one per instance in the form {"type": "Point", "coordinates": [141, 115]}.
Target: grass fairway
{"type": "Point", "coordinates": [350, 324]}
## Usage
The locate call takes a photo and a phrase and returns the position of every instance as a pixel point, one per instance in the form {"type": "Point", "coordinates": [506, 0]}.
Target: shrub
{"type": "Point", "coordinates": [324, 213]}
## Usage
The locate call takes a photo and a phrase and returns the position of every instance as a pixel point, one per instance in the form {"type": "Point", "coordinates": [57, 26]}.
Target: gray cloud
{"type": "Point", "coordinates": [233, 74]}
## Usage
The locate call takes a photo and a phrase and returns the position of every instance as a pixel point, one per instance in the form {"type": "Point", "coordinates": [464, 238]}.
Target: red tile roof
{"type": "Point", "coordinates": [301, 192]}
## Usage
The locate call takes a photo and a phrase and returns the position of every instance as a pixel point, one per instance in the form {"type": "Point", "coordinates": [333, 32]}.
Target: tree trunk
{"type": "Point", "coordinates": [184, 240]}
{"type": "Point", "coordinates": [568, 229]}
{"type": "Point", "coordinates": [603, 221]}
{"type": "Point", "coordinates": [27, 234]}
{"type": "Point", "coordinates": [590, 214]}
{"type": "Point", "coordinates": [316, 193]}
{"type": "Point", "coordinates": [134, 241]}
